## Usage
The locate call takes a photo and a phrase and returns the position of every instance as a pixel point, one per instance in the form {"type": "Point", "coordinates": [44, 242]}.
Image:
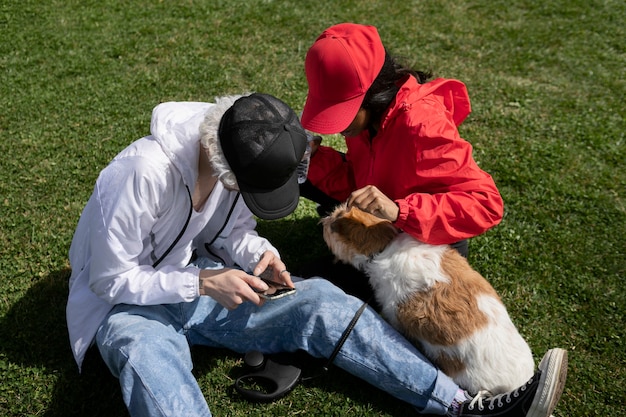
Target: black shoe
{"type": "Point", "coordinates": [537, 398]}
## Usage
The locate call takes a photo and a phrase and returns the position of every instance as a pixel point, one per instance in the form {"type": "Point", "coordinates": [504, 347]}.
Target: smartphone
{"type": "Point", "coordinates": [276, 290]}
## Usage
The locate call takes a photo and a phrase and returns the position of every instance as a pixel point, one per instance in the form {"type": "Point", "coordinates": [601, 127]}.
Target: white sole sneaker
{"type": "Point", "coordinates": [553, 368]}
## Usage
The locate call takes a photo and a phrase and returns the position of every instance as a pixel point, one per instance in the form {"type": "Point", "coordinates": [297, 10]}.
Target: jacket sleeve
{"type": "Point", "coordinates": [456, 199]}
{"type": "Point", "coordinates": [331, 173]}
{"type": "Point", "coordinates": [130, 203]}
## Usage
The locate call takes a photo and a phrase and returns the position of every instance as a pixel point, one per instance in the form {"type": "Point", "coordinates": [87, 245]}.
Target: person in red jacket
{"type": "Point", "coordinates": [405, 160]}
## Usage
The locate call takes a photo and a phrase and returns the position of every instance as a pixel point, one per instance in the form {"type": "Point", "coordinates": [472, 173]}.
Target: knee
{"type": "Point", "coordinates": [138, 340]}
{"type": "Point", "coordinates": [324, 296]}
{"type": "Point", "coordinates": [320, 289]}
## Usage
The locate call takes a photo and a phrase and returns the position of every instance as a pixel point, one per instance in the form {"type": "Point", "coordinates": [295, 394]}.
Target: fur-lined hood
{"type": "Point", "coordinates": [210, 140]}
{"type": "Point", "coordinates": [175, 124]}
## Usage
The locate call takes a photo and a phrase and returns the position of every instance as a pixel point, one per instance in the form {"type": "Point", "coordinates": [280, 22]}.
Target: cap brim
{"type": "Point", "coordinates": [274, 204]}
{"type": "Point", "coordinates": [329, 118]}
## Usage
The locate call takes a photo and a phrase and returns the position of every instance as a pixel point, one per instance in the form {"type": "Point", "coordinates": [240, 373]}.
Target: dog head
{"type": "Point", "coordinates": [354, 236]}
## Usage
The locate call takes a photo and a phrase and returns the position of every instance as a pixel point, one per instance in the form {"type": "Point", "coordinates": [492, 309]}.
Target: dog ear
{"type": "Point", "coordinates": [366, 233]}
{"type": "Point", "coordinates": [380, 235]}
{"type": "Point", "coordinates": [344, 226]}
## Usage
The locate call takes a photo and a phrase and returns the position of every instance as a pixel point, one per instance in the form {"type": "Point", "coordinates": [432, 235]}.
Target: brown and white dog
{"type": "Point", "coordinates": [433, 296]}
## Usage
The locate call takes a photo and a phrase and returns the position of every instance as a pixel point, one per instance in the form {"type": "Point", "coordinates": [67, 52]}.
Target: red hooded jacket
{"type": "Point", "coordinates": [419, 160]}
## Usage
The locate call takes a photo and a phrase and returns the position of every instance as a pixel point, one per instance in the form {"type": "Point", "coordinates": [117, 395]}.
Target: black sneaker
{"type": "Point", "coordinates": [537, 398]}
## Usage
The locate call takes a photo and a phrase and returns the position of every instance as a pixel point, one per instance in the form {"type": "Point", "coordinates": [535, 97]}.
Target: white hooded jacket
{"type": "Point", "coordinates": [140, 204]}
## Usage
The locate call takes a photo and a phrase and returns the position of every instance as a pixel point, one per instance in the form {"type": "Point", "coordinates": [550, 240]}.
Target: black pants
{"type": "Point", "coordinates": [345, 276]}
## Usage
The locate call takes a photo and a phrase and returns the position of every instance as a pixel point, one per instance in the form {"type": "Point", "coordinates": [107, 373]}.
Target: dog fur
{"type": "Point", "coordinates": [432, 295]}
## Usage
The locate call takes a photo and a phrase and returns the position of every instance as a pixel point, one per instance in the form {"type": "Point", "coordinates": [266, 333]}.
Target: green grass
{"type": "Point", "coordinates": [78, 80]}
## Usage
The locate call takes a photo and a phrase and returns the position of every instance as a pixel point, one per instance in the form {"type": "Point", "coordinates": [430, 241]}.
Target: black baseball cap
{"type": "Point", "coordinates": [263, 142]}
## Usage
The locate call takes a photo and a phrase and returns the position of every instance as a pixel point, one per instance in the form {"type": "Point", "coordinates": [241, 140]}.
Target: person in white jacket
{"type": "Point", "coordinates": [189, 191]}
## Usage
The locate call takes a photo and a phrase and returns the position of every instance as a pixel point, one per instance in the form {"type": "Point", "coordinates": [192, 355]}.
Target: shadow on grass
{"type": "Point", "coordinates": [33, 334]}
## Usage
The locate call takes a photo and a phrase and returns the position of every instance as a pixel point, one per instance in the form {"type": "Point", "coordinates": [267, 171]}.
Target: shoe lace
{"type": "Point", "coordinates": [491, 399]}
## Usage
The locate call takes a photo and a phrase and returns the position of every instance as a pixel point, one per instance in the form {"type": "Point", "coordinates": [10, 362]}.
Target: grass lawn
{"type": "Point", "coordinates": [78, 81]}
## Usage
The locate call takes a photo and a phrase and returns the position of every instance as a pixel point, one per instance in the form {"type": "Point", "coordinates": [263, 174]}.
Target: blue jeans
{"type": "Point", "coordinates": [148, 347]}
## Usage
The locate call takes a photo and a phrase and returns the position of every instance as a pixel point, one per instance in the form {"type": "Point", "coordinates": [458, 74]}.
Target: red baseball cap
{"type": "Point", "coordinates": [340, 67]}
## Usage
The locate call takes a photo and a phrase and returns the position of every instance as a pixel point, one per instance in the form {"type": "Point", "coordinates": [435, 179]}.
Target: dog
{"type": "Point", "coordinates": [431, 295]}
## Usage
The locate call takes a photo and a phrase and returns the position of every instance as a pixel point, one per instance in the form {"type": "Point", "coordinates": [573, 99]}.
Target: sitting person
{"type": "Point", "coordinates": [192, 186]}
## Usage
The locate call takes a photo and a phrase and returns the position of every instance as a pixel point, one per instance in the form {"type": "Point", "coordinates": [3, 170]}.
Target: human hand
{"type": "Point", "coordinates": [314, 144]}
{"type": "Point", "coordinates": [231, 287]}
{"type": "Point", "coordinates": [278, 268]}
{"type": "Point", "coordinates": [371, 200]}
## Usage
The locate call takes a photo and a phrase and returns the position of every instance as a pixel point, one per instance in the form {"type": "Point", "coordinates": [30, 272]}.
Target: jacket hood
{"type": "Point", "coordinates": [209, 137]}
{"type": "Point", "coordinates": [452, 93]}
{"type": "Point", "coordinates": [176, 127]}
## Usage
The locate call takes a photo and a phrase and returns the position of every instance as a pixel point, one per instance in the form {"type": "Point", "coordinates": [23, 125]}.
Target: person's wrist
{"type": "Point", "coordinates": [396, 212]}
{"type": "Point", "coordinates": [201, 284]}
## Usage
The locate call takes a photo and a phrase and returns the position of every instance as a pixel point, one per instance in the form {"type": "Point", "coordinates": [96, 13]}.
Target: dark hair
{"type": "Point", "coordinates": [385, 87]}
